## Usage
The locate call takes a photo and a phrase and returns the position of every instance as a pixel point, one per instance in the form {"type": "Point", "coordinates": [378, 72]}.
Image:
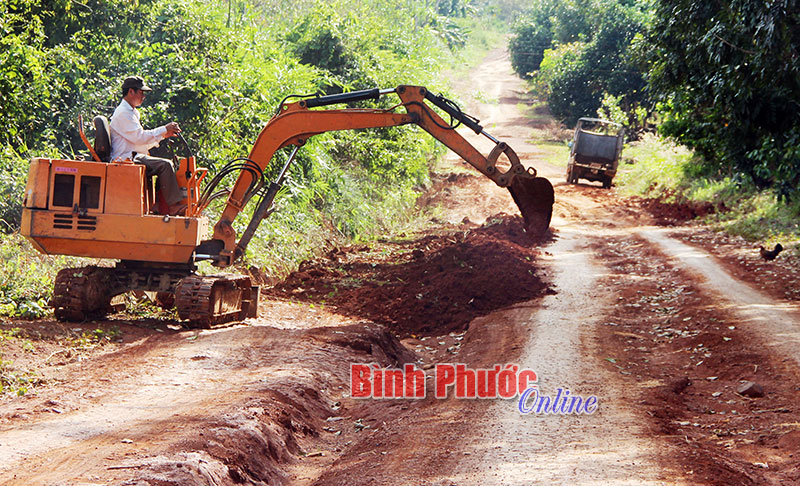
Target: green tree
{"type": "Point", "coordinates": [565, 80]}
{"type": "Point", "coordinates": [592, 55]}
{"type": "Point", "coordinates": [572, 20]}
{"type": "Point", "coordinates": [580, 51]}
{"type": "Point", "coordinates": [728, 76]}
{"type": "Point", "coordinates": [532, 35]}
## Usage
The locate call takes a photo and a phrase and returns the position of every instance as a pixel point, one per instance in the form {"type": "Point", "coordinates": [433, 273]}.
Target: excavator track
{"type": "Point", "coordinates": [80, 293]}
{"type": "Point", "coordinates": [206, 301]}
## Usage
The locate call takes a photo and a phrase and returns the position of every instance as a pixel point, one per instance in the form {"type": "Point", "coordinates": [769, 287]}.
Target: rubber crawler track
{"type": "Point", "coordinates": [79, 293]}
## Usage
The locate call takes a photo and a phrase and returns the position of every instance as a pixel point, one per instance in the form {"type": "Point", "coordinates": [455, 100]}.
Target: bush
{"type": "Point", "coordinates": [26, 277]}
{"type": "Point", "coordinates": [527, 48]}
{"type": "Point", "coordinates": [593, 54]}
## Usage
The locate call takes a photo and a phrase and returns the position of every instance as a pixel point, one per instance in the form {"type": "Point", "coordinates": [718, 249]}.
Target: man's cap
{"type": "Point", "coordinates": [135, 82]}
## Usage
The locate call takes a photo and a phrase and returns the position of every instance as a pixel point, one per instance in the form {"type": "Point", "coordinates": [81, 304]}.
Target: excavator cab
{"type": "Point", "coordinates": [105, 209]}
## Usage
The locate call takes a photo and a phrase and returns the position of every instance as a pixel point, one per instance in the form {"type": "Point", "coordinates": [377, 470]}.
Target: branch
{"type": "Point", "coordinates": [752, 53]}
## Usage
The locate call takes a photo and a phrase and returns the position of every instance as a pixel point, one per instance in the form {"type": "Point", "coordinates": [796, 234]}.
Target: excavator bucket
{"type": "Point", "coordinates": [534, 197]}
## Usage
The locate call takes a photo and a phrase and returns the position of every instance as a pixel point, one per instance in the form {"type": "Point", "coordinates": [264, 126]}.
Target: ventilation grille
{"type": "Point", "coordinates": [70, 221]}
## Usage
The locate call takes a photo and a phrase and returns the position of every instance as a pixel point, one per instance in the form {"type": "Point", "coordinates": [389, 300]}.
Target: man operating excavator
{"type": "Point", "coordinates": [129, 140]}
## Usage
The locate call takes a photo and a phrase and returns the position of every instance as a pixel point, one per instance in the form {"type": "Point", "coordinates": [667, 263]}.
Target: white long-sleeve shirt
{"type": "Point", "coordinates": [128, 135]}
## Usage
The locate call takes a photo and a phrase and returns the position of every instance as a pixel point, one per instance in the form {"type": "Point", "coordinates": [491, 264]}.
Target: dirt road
{"type": "Point", "coordinates": [660, 324]}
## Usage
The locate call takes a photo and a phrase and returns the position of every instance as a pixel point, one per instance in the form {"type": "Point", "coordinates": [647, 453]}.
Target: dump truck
{"type": "Point", "coordinates": [595, 151]}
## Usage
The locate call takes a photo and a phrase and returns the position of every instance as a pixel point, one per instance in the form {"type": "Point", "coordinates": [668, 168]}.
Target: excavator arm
{"type": "Point", "coordinates": [296, 122]}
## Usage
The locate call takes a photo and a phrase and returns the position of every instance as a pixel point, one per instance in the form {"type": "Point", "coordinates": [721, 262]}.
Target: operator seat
{"type": "Point", "coordinates": [102, 138]}
{"type": "Point", "coordinates": [102, 147]}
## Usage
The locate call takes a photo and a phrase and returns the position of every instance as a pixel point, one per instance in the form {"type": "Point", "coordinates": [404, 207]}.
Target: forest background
{"type": "Point", "coordinates": [722, 79]}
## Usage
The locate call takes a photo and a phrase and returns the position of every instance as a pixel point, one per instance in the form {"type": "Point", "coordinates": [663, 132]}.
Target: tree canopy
{"type": "Point", "coordinates": [728, 77]}
{"type": "Point", "coordinates": [579, 51]}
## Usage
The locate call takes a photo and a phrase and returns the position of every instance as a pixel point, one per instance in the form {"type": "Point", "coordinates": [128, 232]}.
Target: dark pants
{"type": "Point", "coordinates": [166, 181]}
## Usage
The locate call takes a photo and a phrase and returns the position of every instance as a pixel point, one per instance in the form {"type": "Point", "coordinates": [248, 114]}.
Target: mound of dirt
{"type": "Point", "coordinates": [435, 284]}
{"type": "Point", "coordinates": [672, 213]}
{"type": "Point", "coordinates": [284, 417]}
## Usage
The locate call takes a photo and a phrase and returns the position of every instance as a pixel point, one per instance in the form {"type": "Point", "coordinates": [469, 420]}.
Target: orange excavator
{"type": "Point", "coordinates": [105, 209]}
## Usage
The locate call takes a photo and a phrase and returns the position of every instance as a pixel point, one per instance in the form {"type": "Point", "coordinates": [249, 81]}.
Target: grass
{"type": "Point", "coordinates": [12, 380]}
{"type": "Point", "coordinates": [537, 112]}
{"type": "Point", "coordinates": [655, 168]}
{"type": "Point", "coordinates": [759, 217]}
{"type": "Point", "coordinates": [88, 340]}
{"type": "Point", "coordinates": [292, 235]}
{"type": "Point", "coordinates": [554, 153]}
{"type": "Point", "coordinates": [550, 136]}
{"type": "Point", "coordinates": [26, 277]}
{"type": "Point", "coordinates": [484, 98]}
{"type": "Point", "coordinates": [29, 347]}
{"type": "Point", "coordinates": [16, 382]}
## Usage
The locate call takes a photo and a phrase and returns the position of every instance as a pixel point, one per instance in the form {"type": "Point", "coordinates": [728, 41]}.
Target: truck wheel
{"type": "Point", "coordinates": [606, 182]}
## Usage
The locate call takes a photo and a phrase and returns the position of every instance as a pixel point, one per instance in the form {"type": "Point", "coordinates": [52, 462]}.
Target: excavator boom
{"type": "Point", "coordinates": [296, 122]}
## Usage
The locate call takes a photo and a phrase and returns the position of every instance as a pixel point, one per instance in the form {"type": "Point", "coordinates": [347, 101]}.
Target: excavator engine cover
{"type": "Point", "coordinates": [534, 197]}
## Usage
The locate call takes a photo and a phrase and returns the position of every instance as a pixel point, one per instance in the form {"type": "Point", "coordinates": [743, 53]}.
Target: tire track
{"type": "Point", "coordinates": [609, 447]}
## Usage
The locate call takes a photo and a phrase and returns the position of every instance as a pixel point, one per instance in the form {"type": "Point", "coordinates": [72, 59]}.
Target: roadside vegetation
{"type": "Point", "coordinates": [661, 169]}
{"type": "Point", "coordinates": [220, 69]}
{"type": "Point", "coordinates": [714, 87]}
{"type": "Point", "coordinates": [581, 56]}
